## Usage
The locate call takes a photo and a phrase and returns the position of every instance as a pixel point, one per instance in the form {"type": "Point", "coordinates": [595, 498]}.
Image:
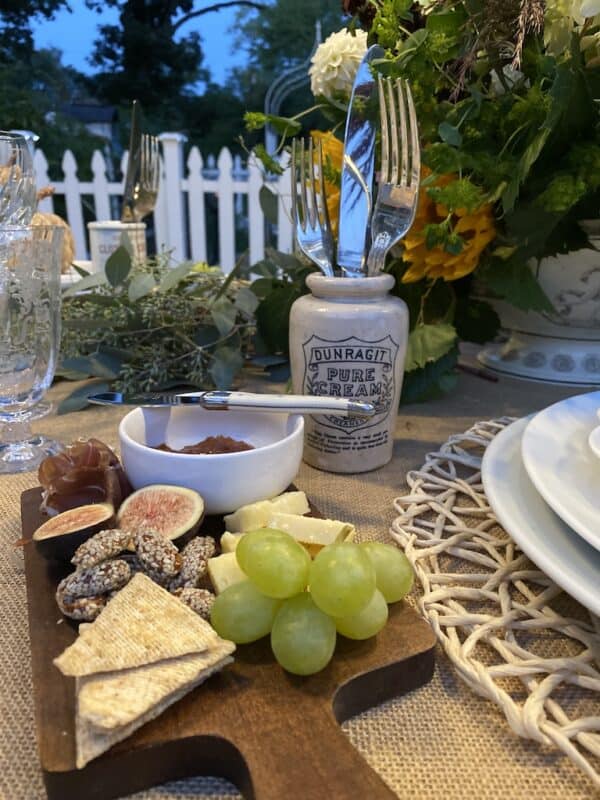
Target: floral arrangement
{"type": "Point", "coordinates": [507, 95]}
{"type": "Point", "coordinates": [151, 326]}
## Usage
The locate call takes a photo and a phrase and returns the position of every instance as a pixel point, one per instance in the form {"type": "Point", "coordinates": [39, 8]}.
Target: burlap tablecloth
{"type": "Point", "coordinates": [441, 741]}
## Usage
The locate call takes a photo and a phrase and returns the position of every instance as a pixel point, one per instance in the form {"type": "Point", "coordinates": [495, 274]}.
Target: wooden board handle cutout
{"type": "Point", "coordinates": [274, 735]}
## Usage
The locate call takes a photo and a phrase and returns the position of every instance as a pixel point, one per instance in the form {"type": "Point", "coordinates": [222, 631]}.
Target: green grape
{"type": "Point", "coordinates": [342, 579]}
{"type": "Point", "coordinates": [242, 614]}
{"type": "Point", "coordinates": [274, 561]}
{"type": "Point", "coordinates": [394, 572]}
{"type": "Point", "coordinates": [303, 637]}
{"type": "Point", "coordinates": [369, 620]}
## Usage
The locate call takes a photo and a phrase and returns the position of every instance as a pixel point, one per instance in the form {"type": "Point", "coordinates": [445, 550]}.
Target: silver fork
{"type": "Point", "coordinates": [146, 188]}
{"type": "Point", "coordinates": [400, 171]}
{"type": "Point", "coordinates": [310, 216]}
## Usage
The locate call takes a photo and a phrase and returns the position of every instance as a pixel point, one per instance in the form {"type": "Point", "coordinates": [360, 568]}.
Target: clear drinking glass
{"type": "Point", "coordinates": [17, 180]}
{"type": "Point", "coordinates": [30, 259]}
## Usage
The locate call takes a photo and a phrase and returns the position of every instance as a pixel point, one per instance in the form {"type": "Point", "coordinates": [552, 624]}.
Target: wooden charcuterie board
{"type": "Point", "coordinates": [272, 734]}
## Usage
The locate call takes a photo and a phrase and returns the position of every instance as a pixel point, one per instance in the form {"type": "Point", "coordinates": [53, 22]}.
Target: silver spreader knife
{"type": "Point", "coordinates": [224, 401]}
{"type": "Point", "coordinates": [356, 199]}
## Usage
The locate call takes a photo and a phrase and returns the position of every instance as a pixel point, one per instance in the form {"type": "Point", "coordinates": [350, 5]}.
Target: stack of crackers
{"type": "Point", "coordinates": [144, 652]}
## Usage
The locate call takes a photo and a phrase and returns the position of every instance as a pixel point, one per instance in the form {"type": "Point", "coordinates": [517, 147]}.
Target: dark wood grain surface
{"type": "Point", "coordinates": [274, 735]}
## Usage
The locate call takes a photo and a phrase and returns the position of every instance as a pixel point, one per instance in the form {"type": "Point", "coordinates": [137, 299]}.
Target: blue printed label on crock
{"type": "Point", "coordinates": [352, 368]}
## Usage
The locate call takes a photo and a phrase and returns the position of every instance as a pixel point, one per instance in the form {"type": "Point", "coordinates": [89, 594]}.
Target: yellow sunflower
{"type": "Point", "coordinates": [476, 228]}
{"type": "Point", "coordinates": [333, 149]}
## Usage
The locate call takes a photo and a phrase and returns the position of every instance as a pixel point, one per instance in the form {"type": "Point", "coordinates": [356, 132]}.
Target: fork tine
{"type": "Point", "coordinates": [313, 208]}
{"type": "Point", "coordinates": [152, 162]}
{"type": "Point", "coordinates": [303, 196]}
{"type": "Point", "coordinates": [324, 210]}
{"type": "Point", "coordinates": [414, 141]}
{"type": "Point", "coordinates": [404, 152]}
{"type": "Point", "coordinates": [385, 134]}
{"type": "Point", "coordinates": [393, 143]}
{"type": "Point", "coordinates": [294, 185]}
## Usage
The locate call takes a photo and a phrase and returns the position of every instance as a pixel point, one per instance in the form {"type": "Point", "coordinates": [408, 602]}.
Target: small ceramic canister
{"type": "Point", "coordinates": [348, 339]}
{"type": "Point", "coordinates": [105, 237]}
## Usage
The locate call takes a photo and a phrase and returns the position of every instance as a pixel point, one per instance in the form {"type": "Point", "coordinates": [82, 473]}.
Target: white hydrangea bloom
{"type": "Point", "coordinates": [335, 62]}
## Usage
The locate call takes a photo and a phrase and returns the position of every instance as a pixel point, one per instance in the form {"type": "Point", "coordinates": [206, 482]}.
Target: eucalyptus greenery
{"type": "Point", "coordinates": [150, 326]}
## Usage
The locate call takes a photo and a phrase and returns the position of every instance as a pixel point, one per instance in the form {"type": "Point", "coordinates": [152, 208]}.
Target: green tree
{"type": "Point", "coordinates": [149, 56]}
{"type": "Point", "coordinates": [16, 39]}
{"type": "Point", "coordinates": [32, 94]}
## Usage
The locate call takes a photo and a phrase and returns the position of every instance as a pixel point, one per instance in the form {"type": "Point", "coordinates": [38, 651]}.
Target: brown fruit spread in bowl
{"type": "Point", "coordinates": [210, 445]}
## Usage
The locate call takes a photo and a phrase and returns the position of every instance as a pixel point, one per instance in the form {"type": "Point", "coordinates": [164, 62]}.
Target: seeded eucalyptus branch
{"type": "Point", "coordinates": [150, 326]}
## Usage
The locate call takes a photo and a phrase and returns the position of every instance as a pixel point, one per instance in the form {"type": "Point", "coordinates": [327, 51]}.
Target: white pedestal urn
{"type": "Point", "coordinates": [561, 347]}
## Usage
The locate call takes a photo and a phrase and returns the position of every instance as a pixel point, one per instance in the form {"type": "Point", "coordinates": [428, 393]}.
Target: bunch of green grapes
{"type": "Point", "coordinates": [304, 604]}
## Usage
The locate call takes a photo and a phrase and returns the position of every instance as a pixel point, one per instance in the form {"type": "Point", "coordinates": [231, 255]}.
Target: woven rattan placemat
{"type": "Point", "coordinates": [441, 742]}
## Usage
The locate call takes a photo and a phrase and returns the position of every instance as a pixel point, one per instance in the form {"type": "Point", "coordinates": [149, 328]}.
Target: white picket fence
{"type": "Point", "coordinates": [180, 221]}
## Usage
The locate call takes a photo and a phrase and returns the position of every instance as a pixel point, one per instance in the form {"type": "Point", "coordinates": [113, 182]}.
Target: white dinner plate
{"type": "Point", "coordinates": [561, 465]}
{"type": "Point", "coordinates": [540, 533]}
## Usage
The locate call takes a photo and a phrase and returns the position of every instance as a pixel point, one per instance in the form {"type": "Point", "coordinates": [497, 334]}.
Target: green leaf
{"type": "Point", "coordinates": [118, 266]}
{"type": "Point", "coordinates": [514, 281]}
{"type": "Point", "coordinates": [441, 158]}
{"type": "Point", "coordinates": [268, 162]}
{"type": "Point", "coordinates": [459, 193]}
{"type": "Point", "coordinates": [410, 46]}
{"type": "Point", "coordinates": [285, 261]}
{"type": "Point", "coordinates": [125, 241]}
{"type": "Point", "coordinates": [223, 314]}
{"type": "Point", "coordinates": [272, 317]}
{"type": "Point", "coordinates": [227, 362]}
{"type": "Point", "coordinates": [97, 366]}
{"type": "Point", "coordinates": [475, 321]}
{"type": "Point", "coordinates": [206, 336]}
{"type": "Point", "coordinates": [108, 362]}
{"type": "Point", "coordinates": [431, 381]}
{"type": "Point", "coordinates": [265, 268]}
{"type": "Point", "coordinates": [261, 287]}
{"type": "Point", "coordinates": [428, 343]}
{"type": "Point", "coordinates": [246, 301]}
{"type": "Point", "coordinates": [279, 373]}
{"type": "Point", "coordinates": [141, 284]}
{"type": "Point", "coordinates": [448, 22]}
{"type": "Point", "coordinates": [80, 270]}
{"type": "Point", "coordinates": [78, 399]}
{"type": "Point", "coordinates": [268, 204]}
{"type": "Point", "coordinates": [269, 361]}
{"type": "Point", "coordinates": [69, 374]}
{"type": "Point", "coordinates": [175, 275]}
{"type": "Point", "coordinates": [284, 126]}
{"type": "Point", "coordinates": [89, 282]}
{"type": "Point", "coordinates": [450, 134]}
{"type": "Point", "coordinates": [240, 266]}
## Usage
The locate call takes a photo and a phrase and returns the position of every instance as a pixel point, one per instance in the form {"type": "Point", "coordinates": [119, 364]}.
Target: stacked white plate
{"type": "Point", "coordinates": [542, 479]}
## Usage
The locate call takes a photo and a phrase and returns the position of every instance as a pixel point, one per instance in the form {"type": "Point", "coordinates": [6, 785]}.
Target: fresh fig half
{"type": "Point", "coordinates": [61, 535]}
{"type": "Point", "coordinates": [173, 511]}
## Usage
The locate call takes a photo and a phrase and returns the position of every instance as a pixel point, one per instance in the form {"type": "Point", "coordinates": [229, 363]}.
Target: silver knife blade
{"type": "Point", "coordinates": [150, 399]}
{"type": "Point", "coordinates": [356, 197]}
{"type": "Point", "coordinates": [135, 140]}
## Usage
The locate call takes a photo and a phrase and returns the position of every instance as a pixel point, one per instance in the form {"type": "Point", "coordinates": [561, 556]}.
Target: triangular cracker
{"type": "Point", "coordinates": [92, 742]}
{"type": "Point", "coordinates": [142, 624]}
{"type": "Point", "coordinates": [114, 699]}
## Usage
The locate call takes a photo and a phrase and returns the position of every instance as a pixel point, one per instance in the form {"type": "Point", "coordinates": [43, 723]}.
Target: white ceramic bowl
{"type": "Point", "coordinates": [226, 481]}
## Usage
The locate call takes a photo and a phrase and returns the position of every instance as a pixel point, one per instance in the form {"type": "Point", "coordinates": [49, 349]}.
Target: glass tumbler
{"type": "Point", "coordinates": [30, 259]}
{"type": "Point", "coordinates": [17, 180]}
